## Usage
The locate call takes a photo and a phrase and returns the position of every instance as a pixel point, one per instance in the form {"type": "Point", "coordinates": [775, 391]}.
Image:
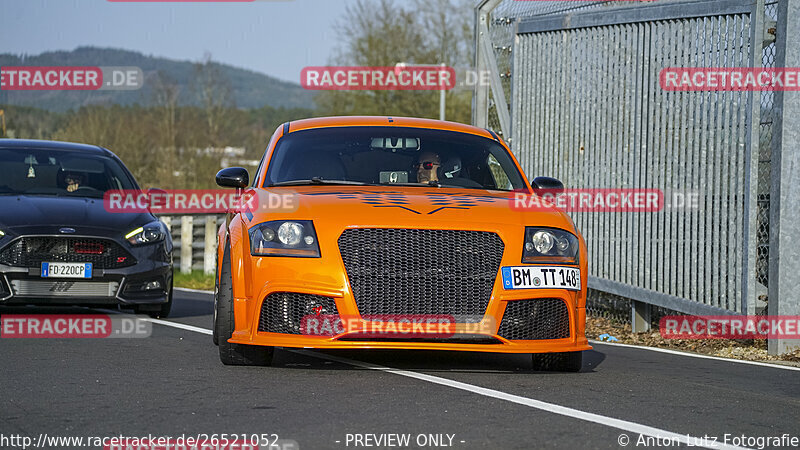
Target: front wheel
{"type": "Point", "coordinates": [558, 362]}
{"type": "Point", "coordinates": [214, 335]}
{"type": "Point", "coordinates": [233, 354]}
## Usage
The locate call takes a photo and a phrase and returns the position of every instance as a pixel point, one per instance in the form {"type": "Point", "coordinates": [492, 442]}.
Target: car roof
{"type": "Point", "coordinates": [54, 145]}
{"type": "Point", "coordinates": [386, 121]}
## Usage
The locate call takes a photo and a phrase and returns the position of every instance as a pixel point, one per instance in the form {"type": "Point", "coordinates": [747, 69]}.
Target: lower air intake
{"type": "Point", "coordinates": [535, 319]}
{"type": "Point", "coordinates": [283, 312]}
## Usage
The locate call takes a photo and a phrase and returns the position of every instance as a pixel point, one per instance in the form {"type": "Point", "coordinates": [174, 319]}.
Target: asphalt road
{"type": "Point", "coordinates": [173, 383]}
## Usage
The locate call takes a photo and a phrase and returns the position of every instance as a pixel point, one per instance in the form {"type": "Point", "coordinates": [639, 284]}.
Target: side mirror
{"type": "Point", "coordinates": [156, 191]}
{"type": "Point", "coordinates": [548, 184]}
{"type": "Point", "coordinates": [156, 198]}
{"type": "Point", "coordinates": [234, 177]}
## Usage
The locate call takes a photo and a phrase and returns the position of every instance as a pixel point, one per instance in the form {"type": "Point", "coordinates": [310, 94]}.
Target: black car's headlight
{"type": "Point", "coordinates": [549, 245]}
{"type": "Point", "coordinates": [152, 232]}
{"type": "Point", "coordinates": [284, 238]}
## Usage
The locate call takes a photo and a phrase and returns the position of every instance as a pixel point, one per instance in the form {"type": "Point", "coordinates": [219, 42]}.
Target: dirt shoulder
{"type": "Point", "coordinates": [746, 349]}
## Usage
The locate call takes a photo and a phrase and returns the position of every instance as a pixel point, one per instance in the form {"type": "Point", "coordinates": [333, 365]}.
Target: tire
{"type": "Point", "coordinates": [214, 335]}
{"type": "Point", "coordinates": [557, 362]}
{"type": "Point", "coordinates": [234, 354]}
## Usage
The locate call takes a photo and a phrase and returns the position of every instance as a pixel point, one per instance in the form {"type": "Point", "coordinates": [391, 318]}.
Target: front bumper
{"type": "Point", "coordinates": [280, 275]}
{"type": "Point", "coordinates": [107, 287]}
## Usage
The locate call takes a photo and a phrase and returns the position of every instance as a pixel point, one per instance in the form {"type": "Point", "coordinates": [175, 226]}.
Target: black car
{"type": "Point", "coordinates": [59, 245]}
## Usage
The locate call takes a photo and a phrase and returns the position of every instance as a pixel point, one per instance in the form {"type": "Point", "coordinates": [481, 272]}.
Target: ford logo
{"type": "Point", "coordinates": [66, 230]}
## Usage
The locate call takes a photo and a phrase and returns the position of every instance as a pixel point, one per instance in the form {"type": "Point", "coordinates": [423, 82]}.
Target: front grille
{"type": "Point", "coordinates": [535, 319]}
{"type": "Point", "coordinates": [47, 288]}
{"type": "Point", "coordinates": [283, 312]}
{"type": "Point", "coordinates": [32, 251]}
{"type": "Point", "coordinates": [3, 289]}
{"type": "Point", "coordinates": [409, 271]}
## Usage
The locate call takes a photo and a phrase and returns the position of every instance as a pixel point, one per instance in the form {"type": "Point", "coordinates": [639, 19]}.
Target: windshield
{"type": "Point", "coordinates": [60, 172]}
{"type": "Point", "coordinates": [392, 155]}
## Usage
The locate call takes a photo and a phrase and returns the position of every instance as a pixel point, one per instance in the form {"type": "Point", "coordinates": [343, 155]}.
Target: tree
{"type": "Point", "coordinates": [213, 90]}
{"type": "Point", "coordinates": [384, 33]}
{"type": "Point", "coordinates": [165, 98]}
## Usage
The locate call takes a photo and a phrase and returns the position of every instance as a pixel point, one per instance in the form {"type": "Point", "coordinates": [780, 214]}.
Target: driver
{"type": "Point", "coordinates": [427, 165]}
{"type": "Point", "coordinates": [73, 181]}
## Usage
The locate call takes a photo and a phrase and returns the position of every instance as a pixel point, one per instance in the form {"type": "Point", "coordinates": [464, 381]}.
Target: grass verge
{"type": "Point", "coordinates": [196, 279]}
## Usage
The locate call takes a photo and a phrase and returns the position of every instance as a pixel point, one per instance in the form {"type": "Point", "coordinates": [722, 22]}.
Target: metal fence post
{"type": "Point", "coordinates": [784, 262]}
{"type": "Point", "coordinates": [210, 251]}
{"type": "Point", "coordinates": [186, 244]}
{"type": "Point", "coordinates": [640, 317]}
{"type": "Point", "coordinates": [750, 254]}
{"type": "Point", "coordinates": [480, 100]}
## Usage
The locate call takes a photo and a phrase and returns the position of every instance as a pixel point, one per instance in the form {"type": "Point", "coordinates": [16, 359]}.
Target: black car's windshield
{"type": "Point", "coordinates": [392, 156]}
{"type": "Point", "coordinates": [28, 171]}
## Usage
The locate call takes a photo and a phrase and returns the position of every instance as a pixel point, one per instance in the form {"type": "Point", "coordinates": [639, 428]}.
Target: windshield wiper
{"type": "Point", "coordinates": [317, 180]}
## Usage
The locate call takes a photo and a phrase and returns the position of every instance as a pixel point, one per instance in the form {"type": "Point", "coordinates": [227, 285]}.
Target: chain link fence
{"type": "Point", "coordinates": [765, 157]}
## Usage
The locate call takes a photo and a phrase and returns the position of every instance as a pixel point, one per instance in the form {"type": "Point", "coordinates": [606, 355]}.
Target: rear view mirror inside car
{"type": "Point", "coordinates": [399, 176]}
{"type": "Point", "coordinates": [395, 143]}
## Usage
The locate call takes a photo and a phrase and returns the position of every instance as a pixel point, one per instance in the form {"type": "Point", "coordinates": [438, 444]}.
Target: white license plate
{"type": "Point", "coordinates": [541, 277]}
{"type": "Point", "coordinates": [66, 270]}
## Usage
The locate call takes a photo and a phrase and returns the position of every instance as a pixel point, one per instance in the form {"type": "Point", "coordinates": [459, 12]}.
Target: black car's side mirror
{"type": "Point", "coordinates": [235, 177]}
{"type": "Point", "coordinates": [548, 184]}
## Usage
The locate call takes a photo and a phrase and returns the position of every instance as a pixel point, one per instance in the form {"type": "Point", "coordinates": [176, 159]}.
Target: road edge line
{"type": "Point", "coordinates": [697, 355]}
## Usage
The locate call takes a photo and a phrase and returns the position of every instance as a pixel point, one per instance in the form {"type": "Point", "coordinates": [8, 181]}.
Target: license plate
{"type": "Point", "coordinates": [66, 270]}
{"type": "Point", "coordinates": [541, 277]}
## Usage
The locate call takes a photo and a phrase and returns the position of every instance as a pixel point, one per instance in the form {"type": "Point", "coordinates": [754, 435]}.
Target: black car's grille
{"type": "Point", "coordinates": [541, 318]}
{"type": "Point", "coordinates": [283, 312]}
{"type": "Point", "coordinates": [410, 271]}
{"type": "Point", "coordinates": [32, 251]}
{"type": "Point", "coordinates": [4, 290]}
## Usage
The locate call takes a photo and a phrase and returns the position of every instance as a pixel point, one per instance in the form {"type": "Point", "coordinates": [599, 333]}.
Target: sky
{"type": "Point", "coordinates": [277, 38]}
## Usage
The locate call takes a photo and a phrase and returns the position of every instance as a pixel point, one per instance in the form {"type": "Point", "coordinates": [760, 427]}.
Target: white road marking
{"type": "Point", "coordinates": [182, 326]}
{"type": "Point", "coordinates": [168, 323]}
{"type": "Point", "coordinates": [624, 425]}
{"type": "Point", "coordinates": [198, 291]}
{"type": "Point", "coordinates": [697, 355]}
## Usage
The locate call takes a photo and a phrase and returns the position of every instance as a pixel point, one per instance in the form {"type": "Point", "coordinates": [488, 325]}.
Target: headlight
{"type": "Point", "coordinates": [548, 245]}
{"type": "Point", "coordinates": [284, 238]}
{"type": "Point", "coordinates": [152, 232]}
{"type": "Point", "coordinates": [2, 234]}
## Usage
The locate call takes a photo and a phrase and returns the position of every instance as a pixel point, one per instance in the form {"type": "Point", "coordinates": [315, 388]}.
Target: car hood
{"type": "Point", "coordinates": [33, 214]}
{"type": "Point", "coordinates": [401, 206]}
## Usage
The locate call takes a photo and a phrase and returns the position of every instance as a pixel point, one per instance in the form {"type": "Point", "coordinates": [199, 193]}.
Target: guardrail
{"type": "Point", "coordinates": [194, 239]}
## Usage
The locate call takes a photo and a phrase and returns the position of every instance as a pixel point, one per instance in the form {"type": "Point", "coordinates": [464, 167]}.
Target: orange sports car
{"type": "Point", "coordinates": [396, 233]}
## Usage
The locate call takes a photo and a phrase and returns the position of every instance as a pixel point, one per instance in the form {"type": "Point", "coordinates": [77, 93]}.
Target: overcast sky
{"type": "Point", "coordinates": [278, 38]}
